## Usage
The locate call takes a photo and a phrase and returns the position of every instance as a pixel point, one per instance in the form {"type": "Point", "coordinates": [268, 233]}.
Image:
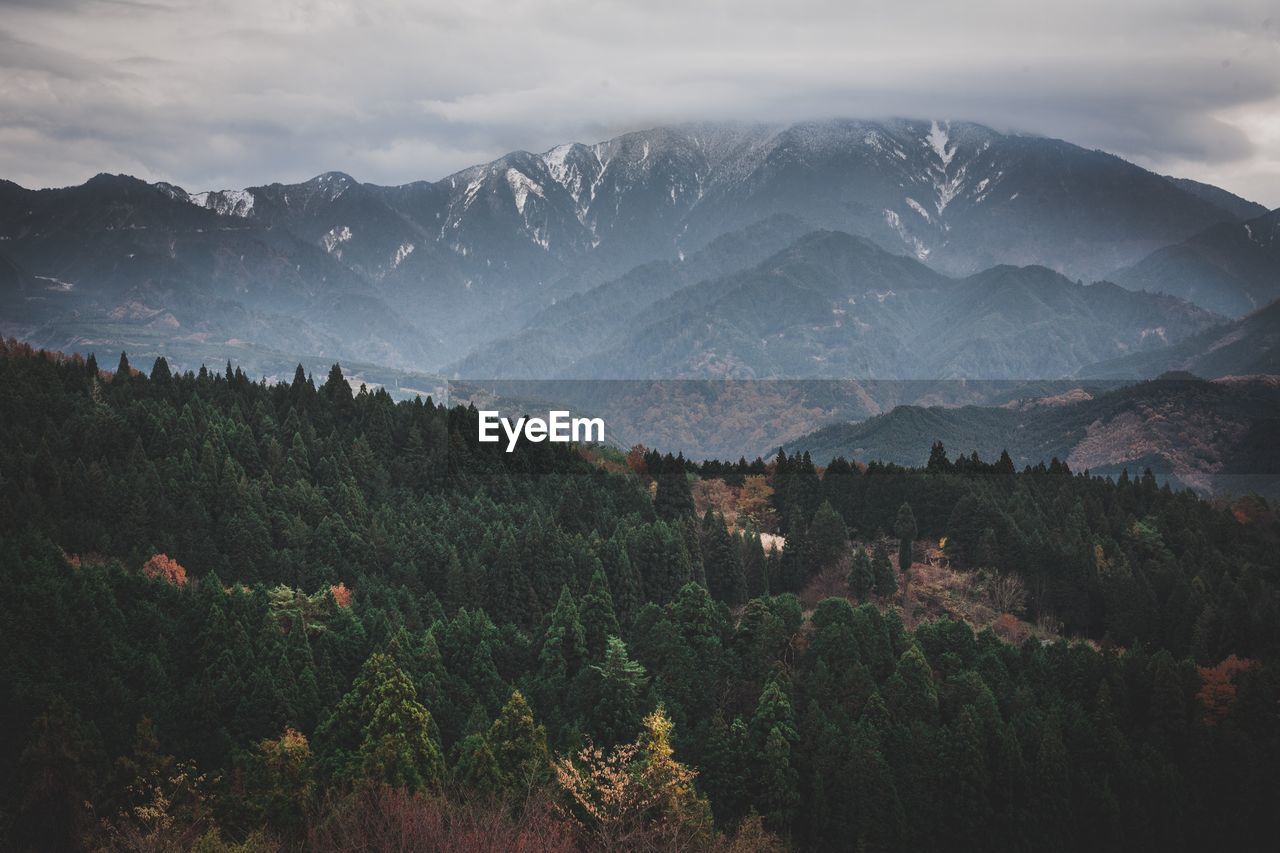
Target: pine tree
{"type": "Point", "coordinates": [123, 371]}
{"type": "Point", "coordinates": [829, 536]}
{"type": "Point", "coordinates": [599, 621]}
{"type": "Point", "coordinates": [674, 497]}
{"type": "Point", "coordinates": [862, 575]}
{"type": "Point", "coordinates": [938, 461]}
{"type": "Point", "coordinates": [390, 727]}
{"type": "Point", "coordinates": [519, 746]}
{"type": "Point", "coordinates": [773, 736]}
{"type": "Point", "coordinates": [904, 528]}
{"type": "Point", "coordinates": [722, 562]}
{"type": "Point", "coordinates": [561, 660]}
{"type": "Point", "coordinates": [754, 565]}
{"type": "Point", "coordinates": [885, 582]}
{"type": "Point", "coordinates": [475, 769]}
{"type": "Point", "coordinates": [160, 371]}
{"type": "Point", "coordinates": [616, 697]}
{"type": "Point", "coordinates": [910, 692]}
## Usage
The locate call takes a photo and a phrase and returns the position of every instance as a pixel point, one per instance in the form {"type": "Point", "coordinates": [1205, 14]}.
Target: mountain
{"type": "Point", "coordinates": [585, 323]}
{"type": "Point", "coordinates": [428, 273]}
{"type": "Point", "coordinates": [1212, 436]}
{"type": "Point", "coordinates": [1239, 207]}
{"type": "Point", "coordinates": [1250, 345]}
{"type": "Point", "coordinates": [831, 328]}
{"type": "Point", "coordinates": [1231, 268]}
{"type": "Point", "coordinates": [837, 306]}
{"type": "Point", "coordinates": [961, 195]}
{"type": "Point", "coordinates": [117, 261]}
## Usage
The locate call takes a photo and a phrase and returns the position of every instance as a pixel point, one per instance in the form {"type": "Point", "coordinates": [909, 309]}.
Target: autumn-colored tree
{"type": "Point", "coordinates": [635, 460]}
{"type": "Point", "coordinates": [165, 568]}
{"type": "Point", "coordinates": [341, 594]}
{"type": "Point", "coordinates": [1218, 689]}
{"type": "Point", "coordinates": [636, 794]}
{"type": "Point", "coordinates": [174, 814]}
{"type": "Point", "coordinates": [754, 503]}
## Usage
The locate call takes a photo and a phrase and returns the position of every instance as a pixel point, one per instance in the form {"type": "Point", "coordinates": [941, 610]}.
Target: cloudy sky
{"type": "Point", "coordinates": [231, 93]}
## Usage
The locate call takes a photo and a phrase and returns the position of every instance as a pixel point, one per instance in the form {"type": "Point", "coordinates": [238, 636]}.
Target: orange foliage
{"type": "Point", "coordinates": [635, 460]}
{"type": "Point", "coordinates": [165, 568]}
{"type": "Point", "coordinates": [753, 502]}
{"type": "Point", "coordinates": [1218, 690]}
{"type": "Point", "coordinates": [717, 496]}
{"type": "Point", "coordinates": [341, 594]}
{"type": "Point", "coordinates": [1010, 628]}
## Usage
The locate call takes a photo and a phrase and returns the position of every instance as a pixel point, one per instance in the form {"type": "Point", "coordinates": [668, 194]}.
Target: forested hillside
{"type": "Point", "coordinates": [241, 616]}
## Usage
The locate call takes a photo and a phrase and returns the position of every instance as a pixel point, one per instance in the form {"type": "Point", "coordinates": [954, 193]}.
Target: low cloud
{"type": "Point", "coordinates": [231, 93]}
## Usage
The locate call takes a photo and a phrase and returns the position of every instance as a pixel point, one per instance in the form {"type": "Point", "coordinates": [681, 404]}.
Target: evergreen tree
{"type": "Point", "coordinates": [862, 575]}
{"type": "Point", "coordinates": [910, 692]}
{"type": "Point", "coordinates": [475, 770]}
{"type": "Point", "coordinates": [904, 528]}
{"type": "Point", "coordinates": [829, 536]}
{"type": "Point", "coordinates": [599, 622]}
{"type": "Point", "coordinates": [391, 730]}
{"type": "Point", "coordinates": [754, 565]}
{"type": "Point", "coordinates": [886, 584]}
{"type": "Point", "coordinates": [773, 735]}
{"type": "Point", "coordinates": [519, 746]}
{"type": "Point", "coordinates": [674, 498]}
{"type": "Point", "coordinates": [722, 562]}
{"type": "Point", "coordinates": [616, 707]}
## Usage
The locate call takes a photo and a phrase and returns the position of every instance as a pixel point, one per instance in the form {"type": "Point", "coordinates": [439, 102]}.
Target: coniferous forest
{"type": "Point", "coordinates": [256, 617]}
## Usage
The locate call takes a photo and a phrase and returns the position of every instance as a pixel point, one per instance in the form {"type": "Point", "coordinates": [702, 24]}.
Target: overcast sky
{"type": "Point", "coordinates": [217, 94]}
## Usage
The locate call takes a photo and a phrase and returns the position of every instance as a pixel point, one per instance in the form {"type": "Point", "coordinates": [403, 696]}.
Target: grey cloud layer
{"type": "Point", "coordinates": [231, 93]}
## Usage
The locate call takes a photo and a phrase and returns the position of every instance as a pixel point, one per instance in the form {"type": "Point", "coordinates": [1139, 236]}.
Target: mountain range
{"type": "Point", "coordinates": [832, 270]}
{"type": "Point", "coordinates": [426, 274]}
{"type": "Point", "coordinates": [835, 306]}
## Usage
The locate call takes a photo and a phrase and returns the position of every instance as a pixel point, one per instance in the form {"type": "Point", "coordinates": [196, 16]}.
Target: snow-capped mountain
{"type": "Point", "coordinates": [471, 257]}
{"type": "Point", "coordinates": [937, 190]}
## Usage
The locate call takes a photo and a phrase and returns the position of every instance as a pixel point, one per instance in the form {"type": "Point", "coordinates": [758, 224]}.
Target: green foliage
{"type": "Point", "coordinates": [616, 696]}
{"type": "Point", "coordinates": [862, 575]}
{"type": "Point", "coordinates": [830, 536]}
{"type": "Point", "coordinates": [394, 731]}
{"type": "Point", "coordinates": [885, 584]}
{"type": "Point", "coordinates": [519, 746]}
{"type": "Point", "coordinates": [369, 588]}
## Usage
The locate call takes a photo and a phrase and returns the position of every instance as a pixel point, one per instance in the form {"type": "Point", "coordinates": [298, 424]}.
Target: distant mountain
{"type": "Point", "coordinates": [584, 323]}
{"type": "Point", "coordinates": [117, 261]}
{"type": "Point", "coordinates": [1239, 207]}
{"type": "Point", "coordinates": [424, 273]}
{"type": "Point", "coordinates": [837, 306]}
{"type": "Point", "coordinates": [1212, 436]}
{"type": "Point", "coordinates": [960, 195]}
{"type": "Point", "coordinates": [1231, 268]}
{"type": "Point", "coordinates": [1243, 347]}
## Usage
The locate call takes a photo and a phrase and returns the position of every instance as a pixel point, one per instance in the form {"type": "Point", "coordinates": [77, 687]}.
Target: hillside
{"type": "Point", "coordinates": [1210, 436]}
{"type": "Point", "coordinates": [290, 616]}
{"type": "Point", "coordinates": [1240, 348]}
{"type": "Point", "coordinates": [1232, 268]}
{"type": "Point", "coordinates": [837, 306]}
